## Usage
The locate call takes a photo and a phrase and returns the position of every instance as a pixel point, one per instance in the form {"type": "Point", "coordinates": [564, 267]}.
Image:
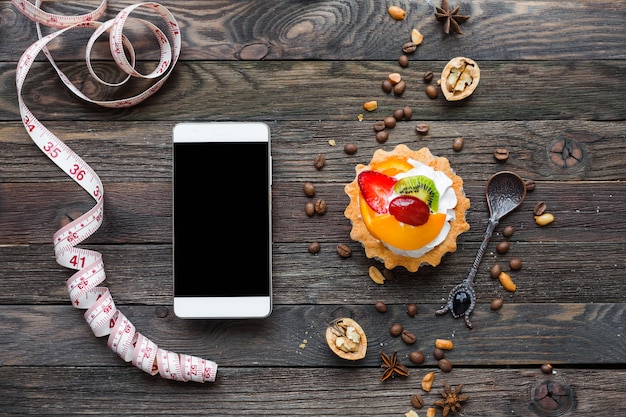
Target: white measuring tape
{"type": "Point", "coordinates": [83, 287]}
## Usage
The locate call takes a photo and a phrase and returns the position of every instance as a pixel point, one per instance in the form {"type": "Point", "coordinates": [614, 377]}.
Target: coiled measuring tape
{"type": "Point", "coordinates": [83, 287]}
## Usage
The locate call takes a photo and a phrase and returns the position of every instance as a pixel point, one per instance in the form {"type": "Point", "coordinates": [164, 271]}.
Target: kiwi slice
{"type": "Point", "coordinates": [421, 187]}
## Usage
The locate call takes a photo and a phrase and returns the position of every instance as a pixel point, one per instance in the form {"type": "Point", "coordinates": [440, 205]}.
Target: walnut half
{"type": "Point", "coordinates": [459, 78]}
{"type": "Point", "coordinates": [346, 339]}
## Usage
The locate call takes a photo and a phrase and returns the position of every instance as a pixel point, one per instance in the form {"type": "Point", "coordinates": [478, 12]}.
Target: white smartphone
{"type": "Point", "coordinates": [222, 215]}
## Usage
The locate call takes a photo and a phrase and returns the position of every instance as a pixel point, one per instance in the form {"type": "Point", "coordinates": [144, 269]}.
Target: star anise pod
{"type": "Point", "coordinates": [452, 399]}
{"type": "Point", "coordinates": [450, 18]}
{"type": "Point", "coordinates": [392, 366]}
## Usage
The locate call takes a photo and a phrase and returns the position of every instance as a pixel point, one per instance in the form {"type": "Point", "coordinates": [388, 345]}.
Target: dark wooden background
{"type": "Point", "coordinates": [551, 71]}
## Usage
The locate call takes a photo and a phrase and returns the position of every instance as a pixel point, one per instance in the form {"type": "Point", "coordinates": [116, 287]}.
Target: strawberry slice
{"type": "Point", "coordinates": [409, 210]}
{"type": "Point", "coordinates": [376, 189]}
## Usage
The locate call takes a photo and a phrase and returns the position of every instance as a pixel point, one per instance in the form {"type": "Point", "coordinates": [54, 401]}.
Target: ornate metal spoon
{"type": "Point", "coordinates": [505, 192]}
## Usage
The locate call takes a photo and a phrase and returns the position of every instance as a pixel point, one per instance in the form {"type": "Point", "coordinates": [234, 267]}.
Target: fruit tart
{"type": "Point", "coordinates": [407, 207]}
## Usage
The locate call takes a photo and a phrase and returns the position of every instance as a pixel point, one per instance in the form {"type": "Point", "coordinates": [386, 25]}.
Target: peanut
{"type": "Point", "coordinates": [397, 12]}
{"type": "Point", "coordinates": [416, 37]}
{"type": "Point", "coordinates": [544, 219]}
{"type": "Point", "coordinates": [370, 105]}
{"type": "Point", "coordinates": [507, 282]}
{"type": "Point", "coordinates": [394, 77]}
{"type": "Point", "coordinates": [376, 275]}
{"type": "Point", "coordinates": [427, 381]}
{"type": "Point", "coordinates": [410, 413]}
{"type": "Point", "coordinates": [431, 412]}
{"type": "Point", "coordinates": [444, 344]}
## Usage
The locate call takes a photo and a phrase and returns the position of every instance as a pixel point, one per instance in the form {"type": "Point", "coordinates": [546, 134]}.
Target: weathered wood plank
{"type": "Point", "coordinates": [359, 31]}
{"type": "Point", "coordinates": [518, 334]}
{"type": "Point", "coordinates": [278, 391]}
{"type": "Point", "coordinates": [321, 90]}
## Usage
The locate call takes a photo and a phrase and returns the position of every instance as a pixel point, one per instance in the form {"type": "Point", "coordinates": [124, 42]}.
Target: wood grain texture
{"type": "Point", "coordinates": [551, 72]}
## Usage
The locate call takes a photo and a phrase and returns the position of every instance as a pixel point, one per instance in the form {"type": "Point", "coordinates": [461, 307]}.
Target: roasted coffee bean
{"type": "Point", "coordinates": [417, 401]}
{"type": "Point", "coordinates": [319, 161]}
{"type": "Point", "coordinates": [409, 48]}
{"type": "Point", "coordinates": [530, 185]}
{"type": "Point", "coordinates": [309, 189]}
{"type": "Point", "coordinates": [457, 144]}
{"type": "Point", "coordinates": [422, 128]}
{"type": "Point", "coordinates": [508, 231]}
{"type": "Point", "coordinates": [380, 307]}
{"type": "Point", "coordinates": [540, 208]}
{"type": "Point", "coordinates": [379, 125]}
{"type": "Point", "coordinates": [417, 357]}
{"type": "Point", "coordinates": [382, 136]}
{"type": "Point", "coordinates": [495, 271]}
{"type": "Point", "coordinates": [390, 122]}
{"type": "Point", "coordinates": [350, 148]}
{"type": "Point", "coordinates": [409, 337]}
{"type": "Point", "coordinates": [398, 114]}
{"type": "Point", "coordinates": [309, 208]}
{"type": "Point", "coordinates": [408, 112]}
{"type": "Point", "coordinates": [396, 329]}
{"type": "Point", "coordinates": [403, 60]}
{"type": "Point", "coordinates": [399, 88]}
{"type": "Point", "coordinates": [515, 264]}
{"type": "Point", "coordinates": [546, 368]}
{"type": "Point", "coordinates": [445, 365]}
{"type": "Point", "coordinates": [502, 247]}
{"type": "Point", "coordinates": [496, 304]}
{"type": "Point", "coordinates": [428, 76]}
{"type": "Point", "coordinates": [411, 309]}
{"type": "Point", "coordinates": [314, 247]}
{"type": "Point", "coordinates": [439, 353]}
{"type": "Point", "coordinates": [388, 274]}
{"type": "Point", "coordinates": [320, 206]}
{"type": "Point", "coordinates": [432, 91]}
{"type": "Point", "coordinates": [344, 250]}
{"type": "Point", "coordinates": [501, 154]}
{"type": "Point", "coordinates": [387, 86]}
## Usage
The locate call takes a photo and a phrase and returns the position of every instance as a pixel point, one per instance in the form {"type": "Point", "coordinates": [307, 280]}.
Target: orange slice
{"type": "Point", "coordinates": [385, 227]}
{"type": "Point", "coordinates": [392, 166]}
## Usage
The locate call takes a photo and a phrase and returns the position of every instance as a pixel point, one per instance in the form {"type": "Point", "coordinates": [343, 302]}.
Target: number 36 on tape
{"type": "Point", "coordinates": [83, 286]}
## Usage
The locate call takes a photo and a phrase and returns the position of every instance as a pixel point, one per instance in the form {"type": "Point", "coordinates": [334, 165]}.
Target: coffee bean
{"type": "Point", "coordinates": [422, 128]}
{"type": "Point", "coordinates": [409, 47]}
{"type": "Point", "coordinates": [530, 185]}
{"type": "Point", "coordinates": [445, 365]}
{"type": "Point", "coordinates": [515, 264]}
{"type": "Point", "coordinates": [409, 337]}
{"type": "Point", "coordinates": [388, 274]}
{"type": "Point", "coordinates": [495, 271]}
{"type": "Point", "coordinates": [502, 247]}
{"type": "Point", "coordinates": [403, 60]}
{"type": "Point", "coordinates": [439, 353]}
{"type": "Point", "coordinates": [432, 91]}
{"type": "Point", "coordinates": [508, 231]}
{"type": "Point", "coordinates": [309, 189]}
{"type": "Point", "coordinates": [380, 307]}
{"type": "Point", "coordinates": [320, 206]}
{"type": "Point", "coordinates": [398, 114]}
{"type": "Point", "coordinates": [387, 86]}
{"type": "Point", "coordinates": [314, 247]}
{"type": "Point", "coordinates": [344, 250]}
{"type": "Point", "coordinates": [496, 304]}
{"type": "Point", "coordinates": [411, 309]}
{"type": "Point", "coordinates": [408, 112]}
{"type": "Point", "coordinates": [396, 329]}
{"type": "Point", "coordinates": [350, 148]}
{"type": "Point", "coordinates": [428, 76]}
{"type": "Point", "coordinates": [501, 154]}
{"type": "Point", "coordinates": [546, 368]}
{"type": "Point", "coordinates": [382, 136]}
{"type": "Point", "coordinates": [390, 122]}
{"type": "Point", "coordinates": [309, 208]}
{"type": "Point", "coordinates": [319, 161]}
{"type": "Point", "coordinates": [379, 125]}
{"type": "Point", "coordinates": [417, 357]}
{"type": "Point", "coordinates": [540, 208]}
{"type": "Point", "coordinates": [457, 144]}
{"type": "Point", "coordinates": [417, 401]}
{"type": "Point", "coordinates": [399, 88]}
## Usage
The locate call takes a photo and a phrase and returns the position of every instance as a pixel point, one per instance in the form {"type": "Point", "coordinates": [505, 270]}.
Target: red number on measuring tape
{"type": "Point", "coordinates": [76, 261]}
{"type": "Point", "coordinates": [28, 125]}
{"type": "Point", "coordinates": [51, 150]}
{"type": "Point", "coordinates": [77, 172]}
{"type": "Point", "coordinates": [97, 193]}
